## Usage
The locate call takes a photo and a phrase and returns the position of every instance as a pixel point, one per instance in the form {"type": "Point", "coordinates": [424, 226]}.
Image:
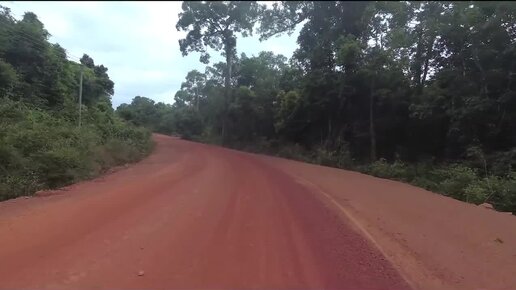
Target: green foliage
{"type": "Point", "coordinates": [499, 191]}
{"type": "Point", "coordinates": [213, 24]}
{"type": "Point", "coordinates": [40, 150]}
{"type": "Point", "coordinates": [453, 180]}
{"type": "Point", "coordinates": [294, 151]}
{"type": "Point", "coordinates": [349, 52]}
{"type": "Point", "coordinates": [396, 170]}
{"type": "Point", "coordinates": [141, 112]}
{"type": "Point", "coordinates": [336, 156]}
{"type": "Point", "coordinates": [8, 78]}
{"type": "Point", "coordinates": [463, 183]}
{"type": "Point", "coordinates": [289, 112]}
{"type": "Point", "coordinates": [188, 123]}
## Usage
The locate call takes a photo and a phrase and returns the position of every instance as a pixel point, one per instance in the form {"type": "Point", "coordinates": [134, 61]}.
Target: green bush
{"type": "Point", "coordinates": [325, 157]}
{"type": "Point", "coordinates": [258, 145]}
{"type": "Point", "coordinates": [425, 183]}
{"type": "Point", "coordinates": [454, 179]}
{"type": "Point", "coordinates": [479, 190]}
{"type": "Point", "coordinates": [396, 170]}
{"type": "Point", "coordinates": [295, 152]}
{"type": "Point", "coordinates": [499, 191]}
{"type": "Point", "coordinates": [188, 123]}
{"type": "Point", "coordinates": [42, 149]}
{"type": "Point", "coordinates": [339, 157]}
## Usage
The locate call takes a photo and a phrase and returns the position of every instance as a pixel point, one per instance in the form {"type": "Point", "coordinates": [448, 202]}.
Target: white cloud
{"type": "Point", "coordinates": [137, 41]}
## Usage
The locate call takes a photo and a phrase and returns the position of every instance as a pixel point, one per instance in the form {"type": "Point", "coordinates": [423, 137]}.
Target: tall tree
{"type": "Point", "coordinates": [192, 89]}
{"type": "Point", "coordinates": [215, 25]}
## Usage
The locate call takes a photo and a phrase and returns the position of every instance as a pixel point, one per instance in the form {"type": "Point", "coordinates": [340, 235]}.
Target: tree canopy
{"type": "Point", "coordinates": [215, 25]}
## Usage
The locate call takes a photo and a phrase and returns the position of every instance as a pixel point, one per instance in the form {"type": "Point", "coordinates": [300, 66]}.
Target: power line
{"type": "Point", "coordinates": [11, 11]}
{"type": "Point", "coordinates": [20, 31]}
{"type": "Point", "coordinates": [42, 48]}
{"type": "Point", "coordinates": [35, 42]}
{"type": "Point", "coordinates": [38, 44]}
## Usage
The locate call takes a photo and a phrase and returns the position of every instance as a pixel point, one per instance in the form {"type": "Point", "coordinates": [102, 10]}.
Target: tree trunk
{"type": "Point", "coordinates": [463, 63]}
{"type": "Point", "coordinates": [197, 100]}
{"type": "Point", "coordinates": [372, 133]}
{"type": "Point", "coordinates": [328, 137]}
{"type": "Point", "coordinates": [481, 69]}
{"type": "Point", "coordinates": [227, 84]}
{"type": "Point", "coordinates": [425, 72]}
{"type": "Point", "coordinates": [416, 66]}
{"type": "Point", "coordinates": [428, 55]}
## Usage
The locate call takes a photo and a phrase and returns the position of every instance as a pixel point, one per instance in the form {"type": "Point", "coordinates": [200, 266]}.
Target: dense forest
{"type": "Point", "coordinates": [423, 92]}
{"type": "Point", "coordinates": [42, 143]}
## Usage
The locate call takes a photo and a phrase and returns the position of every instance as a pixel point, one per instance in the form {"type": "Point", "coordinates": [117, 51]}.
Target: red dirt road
{"type": "Point", "coordinates": [197, 216]}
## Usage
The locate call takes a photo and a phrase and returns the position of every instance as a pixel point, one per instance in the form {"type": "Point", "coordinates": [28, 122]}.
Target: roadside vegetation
{"type": "Point", "coordinates": [41, 143]}
{"type": "Point", "coordinates": [422, 92]}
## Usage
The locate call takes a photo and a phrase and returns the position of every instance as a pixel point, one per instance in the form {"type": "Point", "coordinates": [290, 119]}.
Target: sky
{"type": "Point", "coordinates": [136, 41]}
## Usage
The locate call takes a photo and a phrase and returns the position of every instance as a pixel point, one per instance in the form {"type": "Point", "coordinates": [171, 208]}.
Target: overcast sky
{"type": "Point", "coordinates": [137, 41]}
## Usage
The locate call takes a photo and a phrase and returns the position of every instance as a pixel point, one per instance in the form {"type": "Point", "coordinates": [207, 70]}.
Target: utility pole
{"type": "Point", "coordinates": [80, 96]}
{"type": "Point", "coordinates": [197, 99]}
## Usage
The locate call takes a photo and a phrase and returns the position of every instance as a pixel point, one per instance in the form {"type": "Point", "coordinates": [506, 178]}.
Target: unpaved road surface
{"type": "Point", "coordinates": [193, 216]}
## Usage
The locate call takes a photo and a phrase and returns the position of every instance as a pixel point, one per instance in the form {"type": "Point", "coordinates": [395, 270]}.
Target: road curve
{"type": "Point", "coordinates": [188, 216]}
